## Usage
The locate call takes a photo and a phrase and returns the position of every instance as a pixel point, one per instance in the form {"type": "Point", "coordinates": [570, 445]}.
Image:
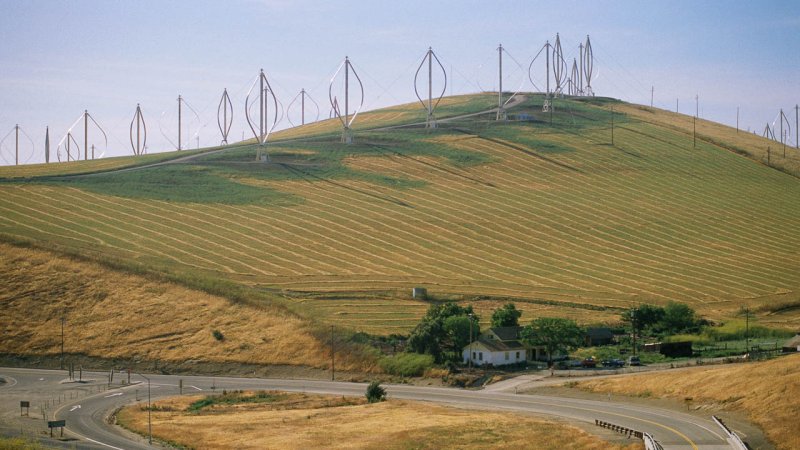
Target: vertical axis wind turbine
{"type": "Point", "coordinates": [69, 139]}
{"type": "Point", "coordinates": [302, 95]}
{"type": "Point", "coordinates": [265, 127]}
{"type": "Point", "coordinates": [588, 66]}
{"type": "Point", "coordinates": [16, 131]}
{"type": "Point", "coordinates": [225, 116]}
{"type": "Point", "coordinates": [430, 121]}
{"type": "Point", "coordinates": [347, 121]}
{"type": "Point", "coordinates": [501, 105]}
{"type": "Point", "coordinates": [559, 67]}
{"type": "Point", "coordinates": [181, 102]}
{"type": "Point", "coordinates": [140, 147]}
{"type": "Point", "coordinates": [546, 49]}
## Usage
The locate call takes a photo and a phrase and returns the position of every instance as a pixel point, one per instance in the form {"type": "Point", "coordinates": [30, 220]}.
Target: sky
{"type": "Point", "coordinates": [59, 58]}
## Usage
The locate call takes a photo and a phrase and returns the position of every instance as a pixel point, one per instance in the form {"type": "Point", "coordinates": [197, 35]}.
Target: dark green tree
{"type": "Point", "coordinates": [375, 392]}
{"type": "Point", "coordinates": [506, 316]}
{"type": "Point", "coordinates": [678, 318]}
{"type": "Point", "coordinates": [432, 337]}
{"type": "Point", "coordinates": [554, 334]}
{"type": "Point", "coordinates": [647, 317]}
{"type": "Point", "coordinates": [457, 333]}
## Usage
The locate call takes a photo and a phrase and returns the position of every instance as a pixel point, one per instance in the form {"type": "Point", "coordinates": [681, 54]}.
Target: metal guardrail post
{"type": "Point", "coordinates": [734, 440]}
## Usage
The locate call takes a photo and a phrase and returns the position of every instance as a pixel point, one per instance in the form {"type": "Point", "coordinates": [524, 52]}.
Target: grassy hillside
{"type": "Point", "coordinates": [545, 212]}
{"type": "Point", "coordinates": [300, 421]}
{"type": "Point", "coordinates": [767, 391]}
{"type": "Point", "coordinates": [113, 315]}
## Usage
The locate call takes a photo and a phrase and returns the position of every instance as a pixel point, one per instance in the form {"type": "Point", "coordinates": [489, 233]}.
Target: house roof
{"type": "Point", "coordinates": [793, 342]}
{"type": "Point", "coordinates": [506, 333]}
{"type": "Point", "coordinates": [499, 346]}
{"type": "Point", "coordinates": [599, 333]}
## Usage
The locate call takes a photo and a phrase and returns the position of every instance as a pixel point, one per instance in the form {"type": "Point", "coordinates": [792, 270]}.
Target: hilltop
{"type": "Point", "coordinates": [543, 210]}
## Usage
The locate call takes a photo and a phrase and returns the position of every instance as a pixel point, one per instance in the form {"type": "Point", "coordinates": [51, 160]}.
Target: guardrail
{"type": "Point", "coordinates": [619, 429]}
{"type": "Point", "coordinates": [734, 440]}
{"type": "Point", "coordinates": [649, 442]}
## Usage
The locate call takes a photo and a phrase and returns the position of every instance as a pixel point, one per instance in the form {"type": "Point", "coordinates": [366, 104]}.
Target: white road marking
{"type": "Point", "coordinates": [100, 443]}
{"type": "Point", "coordinates": [195, 387]}
{"type": "Point", "coordinates": [113, 395]}
{"type": "Point", "coordinates": [74, 408]}
{"type": "Point", "coordinates": [9, 378]}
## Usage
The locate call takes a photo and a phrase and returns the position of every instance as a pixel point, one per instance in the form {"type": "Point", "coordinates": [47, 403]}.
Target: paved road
{"type": "Point", "coordinates": [85, 406]}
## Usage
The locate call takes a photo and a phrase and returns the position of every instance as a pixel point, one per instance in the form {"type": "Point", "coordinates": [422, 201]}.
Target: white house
{"type": "Point", "coordinates": [499, 347]}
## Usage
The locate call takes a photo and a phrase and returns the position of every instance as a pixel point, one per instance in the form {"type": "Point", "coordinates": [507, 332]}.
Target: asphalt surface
{"type": "Point", "coordinates": [86, 406]}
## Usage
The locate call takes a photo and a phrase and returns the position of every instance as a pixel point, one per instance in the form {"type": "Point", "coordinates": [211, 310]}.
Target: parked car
{"type": "Point", "coordinates": [634, 361]}
{"type": "Point", "coordinates": [568, 364]}
{"type": "Point", "coordinates": [589, 362]}
{"type": "Point", "coordinates": [613, 363]}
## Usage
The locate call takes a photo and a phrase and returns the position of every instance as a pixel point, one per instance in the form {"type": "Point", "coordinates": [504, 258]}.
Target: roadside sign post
{"type": "Point", "coordinates": [56, 424]}
{"type": "Point", "coordinates": [27, 406]}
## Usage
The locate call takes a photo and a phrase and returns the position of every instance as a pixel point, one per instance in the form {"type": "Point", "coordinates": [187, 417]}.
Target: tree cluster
{"type": "Point", "coordinates": [674, 318]}
{"type": "Point", "coordinates": [444, 331]}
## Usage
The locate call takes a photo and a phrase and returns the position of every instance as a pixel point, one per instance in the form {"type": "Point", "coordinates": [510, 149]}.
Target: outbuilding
{"type": "Point", "coordinates": [792, 345]}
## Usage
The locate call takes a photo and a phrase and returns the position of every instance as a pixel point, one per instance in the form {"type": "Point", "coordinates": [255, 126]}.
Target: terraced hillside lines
{"type": "Point", "coordinates": [96, 165]}
{"type": "Point", "coordinates": [550, 216]}
{"type": "Point", "coordinates": [396, 115]}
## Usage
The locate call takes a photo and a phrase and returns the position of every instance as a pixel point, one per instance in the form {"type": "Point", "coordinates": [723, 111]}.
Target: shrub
{"type": "Point", "coordinates": [375, 392]}
{"type": "Point", "coordinates": [406, 364]}
{"type": "Point", "coordinates": [218, 335]}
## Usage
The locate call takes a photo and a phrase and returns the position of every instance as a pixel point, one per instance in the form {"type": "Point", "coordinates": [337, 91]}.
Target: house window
{"type": "Point", "coordinates": [473, 355]}
{"type": "Point", "coordinates": [506, 356]}
{"type": "Point", "coordinates": [480, 356]}
{"type": "Point", "coordinates": [517, 355]}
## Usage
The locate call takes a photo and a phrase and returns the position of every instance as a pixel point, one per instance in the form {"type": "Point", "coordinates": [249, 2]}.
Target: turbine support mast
{"type": "Point", "coordinates": [225, 116]}
{"type": "Point", "coordinates": [346, 120]}
{"type": "Point", "coordinates": [430, 106]}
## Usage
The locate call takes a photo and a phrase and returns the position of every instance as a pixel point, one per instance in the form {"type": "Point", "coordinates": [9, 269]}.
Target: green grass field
{"type": "Point", "coordinates": [544, 212]}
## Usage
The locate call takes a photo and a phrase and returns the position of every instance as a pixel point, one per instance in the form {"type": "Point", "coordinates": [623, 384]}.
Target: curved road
{"type": "Point", "coordinates": [85, 406]}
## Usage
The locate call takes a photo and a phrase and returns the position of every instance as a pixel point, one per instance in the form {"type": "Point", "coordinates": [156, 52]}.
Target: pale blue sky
{"type": "Point", "coordinates": [59, 58]}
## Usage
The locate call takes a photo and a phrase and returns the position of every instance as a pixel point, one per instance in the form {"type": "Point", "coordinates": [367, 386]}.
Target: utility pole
{"type": "Point", "coordinates": [333, 353]}
{"type": "Point", "coordinates": [612, 125]}
{"type": "Point", "coordinates": [63, 319]}
{"type": "Point", "coordinates": [747, 329]}
{"type": "Point", "coordinates": [676, 104]}
{"type": "Point", "coordinates": [796, 123]}
{"type": "Point", "coordinates": [783, 137]}
{"type": "Point", "coordinates": [652, 90]}
{"type": "Point", "coordinates": [697, 105]}
{"type": "Point", "coordinates": [470, 342]}
{"type": "Point", "coordinates": [149, 409]}
{"type": "Point", "coordinates": [737, 120]}
{"type": "Point", "coordinates": [633, 322]}
{"type": "Point", "coordinates": [694, 132]}
{"type": "Point", "coordinates": [16, 147]}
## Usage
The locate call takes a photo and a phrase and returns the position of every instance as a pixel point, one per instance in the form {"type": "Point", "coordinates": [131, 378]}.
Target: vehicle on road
{"type": "Point", "coordinates": [589, 362]}
{"type": "Point", "coordinates": [634, 361]}
{"type": "Point", "coordinates": [616, 363]}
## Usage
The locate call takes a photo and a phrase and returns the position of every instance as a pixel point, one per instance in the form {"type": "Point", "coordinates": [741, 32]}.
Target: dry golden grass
{"type": "Point", "coordinates": [769, 392]}
{"type": "Point", "coordinates": [114, 315]}
{"type": "Point", "coordinates": [388, 425]}
{"type": "Point", "coordinates": [754, 144]}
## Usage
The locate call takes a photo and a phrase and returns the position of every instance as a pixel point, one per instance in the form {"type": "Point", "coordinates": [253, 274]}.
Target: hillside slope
{"type": "Point", "coordinates": [544, 211]}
